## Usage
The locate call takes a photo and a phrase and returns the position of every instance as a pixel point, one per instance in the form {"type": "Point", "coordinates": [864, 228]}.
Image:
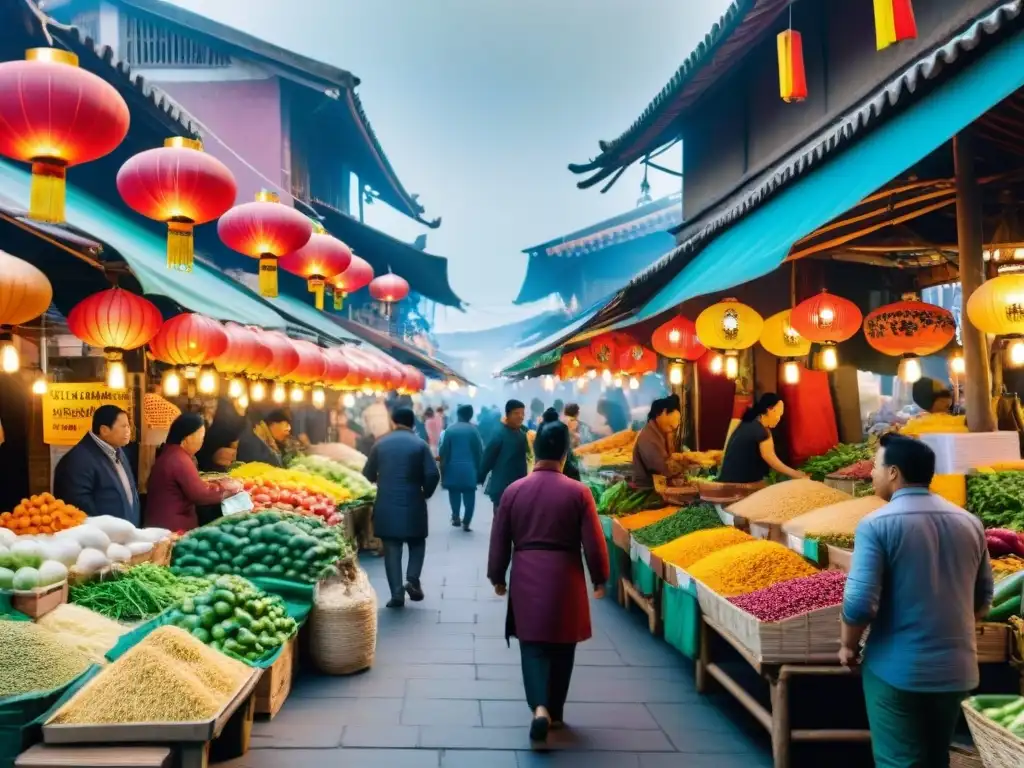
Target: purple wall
{"type": "Point", "coordinates": [245, 115]}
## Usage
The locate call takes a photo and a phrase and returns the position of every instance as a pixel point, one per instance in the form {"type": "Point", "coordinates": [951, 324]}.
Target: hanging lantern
{"type": "Point", "coordinates": [266, 230]}
{"type": "Point", "coordinates": [575, 364]}
{"type": "Point", "coordinates": [336, 368]}
{"type": "Point", "coordinates": [311, 367]}
{"type": "Point", "coordinates": [190, 342]}
{"type": "Point", "coordinates": [781, 339]}
{"type": "Point", "coordinates": [997, 307]}
{"type": "Point", "coordinates": [181, 185]}
{"type": "Point", "coordinates": [115, 321]}
{"type": "Point", "coordinates": [388, 289]}
{"type": "Point", "coordinates": [729, 327]}
{"type": "Point", "coordinates": [637, 360]}
{"type": "Point", "coordinates": [957, 364]}
{"type": "Point", "coordinates": [284, 357]}
{"type": "Point", "coordinates": [677, 340]}
{"type": "Point", "coordinates": [25, 294]}
{"type": "Point", "coordinates": [792, 73]}
{"type": "Point", "coordinates": [826, 319]}
{"type": "Point", "coordinates": [323, 258]}
{"type": "Point", "coordinates": [791, 372]}
{"type": "Point", "coordinates": [244, 355]}
{"type": "Point", "coordinates": [55, 115]}
{"type": "Point", "coordinates": [894, 22]}
{"type": "Point", "coordinates": [909, 328]}
{"type": "Point", "coordinates": [608, 347]}
{"type": "Point", "coordinates": [356, 277]}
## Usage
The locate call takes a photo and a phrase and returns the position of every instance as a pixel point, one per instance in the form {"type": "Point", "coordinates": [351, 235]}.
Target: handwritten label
{"type": "Point", "coordinates": [68, 410]}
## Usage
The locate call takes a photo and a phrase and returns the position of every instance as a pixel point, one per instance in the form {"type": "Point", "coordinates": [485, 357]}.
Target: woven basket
{"type": "Point", "coordinates": [343, 625]}
{"type": "Point", "coordinates": [997, 746]}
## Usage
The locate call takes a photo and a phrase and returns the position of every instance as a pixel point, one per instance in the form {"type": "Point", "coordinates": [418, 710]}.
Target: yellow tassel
{"type": "Point", "coordinates": [47, 194]}
{"type": "Point", "coordinates": [316, 287]}
{"type": "Point", "coordinates": [339, 300]}
{"type": "Point", "coordinates": [885, 24]}
{"type": "Point", "coordinates": [180, 246]}
{"type": "Point", "coordinates": [268, 276]}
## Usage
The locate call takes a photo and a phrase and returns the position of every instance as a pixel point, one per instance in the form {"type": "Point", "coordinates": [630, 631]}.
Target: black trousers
{"type": "Point", "coordinates": [393, 563]}
{"type": "Point", "coordinates": [547, 670]}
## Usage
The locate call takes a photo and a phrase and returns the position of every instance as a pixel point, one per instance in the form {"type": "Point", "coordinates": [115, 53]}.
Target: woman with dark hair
{"type": "Point", "coordinates": [750, 452]}
{"type": "Point", "coordinates": [175, 487]}
{"type": "Point", "coordinates": [220, 446]}
{"type": "Point", "coordinates": [542, 523]}
{"type": "Point", "coordinates": [654, 443]}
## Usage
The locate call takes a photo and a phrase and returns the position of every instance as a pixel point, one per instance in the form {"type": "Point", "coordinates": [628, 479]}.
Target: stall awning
{"type": "Point", "coordinates": [204, 290]}
{"type": "Point", "coordinates": [319, 322]}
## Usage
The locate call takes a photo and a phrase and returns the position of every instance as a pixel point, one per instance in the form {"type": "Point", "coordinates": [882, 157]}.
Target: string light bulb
{"type": "Point", "coordinates": [606, 376]}
{"type": "Point", "coordinates": [618, 382]}
{"type": "Point", "coordinates": [236, 388]}
{"type": "Point", "coordinates": [910, 370]}
{"type": "Point", "coordinates": [280, 394]}
{"type": "Point", "coordinates": [592, 374]}
{"type": "Point", "coordinates": [10, 361]}
{"type": "Point", "coordinates": [296, 395]}
{"type": "Point", "coordinates": [453, 385]}
{"type": "Point", "coordinates": [1015, 354]}
{"type": "Point", "coordinates": [634, 382]}
{"type": "Point", "coordinates": [791, 372]}
{"type": "Point", "coordinates": [717, 365]}
{"type": "Point", "coordinates": [829, 357]}
{"type": "Point", "coordinates": [675, 374]}
{"type": "Point", "coordinates": [242, 401]}
{"type": "Point", "coordinates": [257, 391]}
{"type": "Point", "coordinates": [207, 381]}
{"type": "Point", "coordinates": [318, 397]}
{"type": "Point", "coordinates": [471, 391]}
{"type": "Point", "coordinates": [957, 364]}
{"type": "Point", "coordinates": [348, 400]}
{"type": "Point", "coordinates": [732, 367]}
{"type": "Point", "coordinates": [171, 383]}
{"type": "Point", "coordinates": [674, 336]}
{"type": "Point", "coordinates": [549, 383]}
{"type": "Point", "coordinates": [40, 385]}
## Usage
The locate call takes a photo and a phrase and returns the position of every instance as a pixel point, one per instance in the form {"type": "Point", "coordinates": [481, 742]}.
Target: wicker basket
{"type": "Point", "coordinates": [997, 746]}
{"type": "Point", "coordinates": [343, 625]}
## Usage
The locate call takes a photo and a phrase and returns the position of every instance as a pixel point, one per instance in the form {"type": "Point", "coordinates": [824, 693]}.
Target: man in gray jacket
{"type": "Point", "coordinates": [402, 466]}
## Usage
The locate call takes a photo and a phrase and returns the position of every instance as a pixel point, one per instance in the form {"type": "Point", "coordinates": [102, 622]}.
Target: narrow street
{"type": "Point", "coordinates": [446, 692]}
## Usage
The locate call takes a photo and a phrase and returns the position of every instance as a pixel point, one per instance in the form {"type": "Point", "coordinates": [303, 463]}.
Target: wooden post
{"type": "Point", "coordinates": [978, 377]}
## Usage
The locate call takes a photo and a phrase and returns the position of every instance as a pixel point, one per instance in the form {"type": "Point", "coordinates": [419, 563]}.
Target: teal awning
{"type": "Point", "coordinates": [760, 242]}
{"type": "Point", "coordinates": [205, 289]}
{"type": "Point", "coordinates": [310, 316]}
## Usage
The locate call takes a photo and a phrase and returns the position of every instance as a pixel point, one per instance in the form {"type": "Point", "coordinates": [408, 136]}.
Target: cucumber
{"type": "Point", "coordinates": [1004, 610]}
{"type": "Point", "coordinates": [1005, 589]}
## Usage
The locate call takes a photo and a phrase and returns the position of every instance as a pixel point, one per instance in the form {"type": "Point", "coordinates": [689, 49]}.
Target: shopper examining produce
{"type": "Point", "coordinates": [175, 488]}
{"type": "Point", "coordinates": [542, 523]}
{"type": "Point", "coordinates": [505, 458]}
{"type": "Point", "coordinates": [920, 578]}
{"type": "Point", "coordinates": [268, 440]}
{"type": "Point", "coordinates": [750, 452]}
{"type": "Point", "coordinates": [462, 452]}
{"type": "Point", "coordinates": [406, 474]}
{"type": "Point", "coordinates": [94, 475]}
{"type": "Point", "coordinates": [653, 444]}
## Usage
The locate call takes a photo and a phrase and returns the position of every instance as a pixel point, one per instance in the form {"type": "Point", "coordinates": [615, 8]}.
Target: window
{"type": "Point", "coordinates": [151, 44]}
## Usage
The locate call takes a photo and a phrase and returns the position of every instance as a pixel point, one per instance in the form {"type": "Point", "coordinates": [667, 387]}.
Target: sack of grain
{"type": "Point", "coordinates": [841, 518]}
{"type": "Point", "coordinates": [783, 501]}
{"type": "Point", "coordinates": [343, 625]}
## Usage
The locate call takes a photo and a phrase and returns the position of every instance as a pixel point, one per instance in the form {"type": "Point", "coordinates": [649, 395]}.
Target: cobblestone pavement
{"type": "Point", "coordinates": [445, 691]}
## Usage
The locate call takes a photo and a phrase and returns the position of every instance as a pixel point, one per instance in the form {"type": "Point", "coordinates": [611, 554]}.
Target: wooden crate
{"type": "Point", "coordinates": [809, 637]}
{"type": "Point", "coordinates": [993, 642]}
{"type": "Point", "coordinates": [39, 602]}
{"type": "Point", "coordinates": [44, 756]}
{"type": "Point", "coordinates": [620, 535]}
{"type": "Point", "coordinates": [276, 682]}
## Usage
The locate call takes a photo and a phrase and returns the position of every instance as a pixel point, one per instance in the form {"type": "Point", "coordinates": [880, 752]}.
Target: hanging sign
{"type": "Point", "coordinates": [68, 410]}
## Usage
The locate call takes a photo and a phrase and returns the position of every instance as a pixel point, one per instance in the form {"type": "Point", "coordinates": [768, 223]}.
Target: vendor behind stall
{"type": "Point", "coordinates": [653, 444]}
{"type": "Point", "coordinates": [932, 396]}
{"type": "Point", "coordinates": [750, 452]}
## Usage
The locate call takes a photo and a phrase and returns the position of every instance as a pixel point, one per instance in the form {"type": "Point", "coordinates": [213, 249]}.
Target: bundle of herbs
{"type": "Point", "coordinates": [138, 593]}
{"type": "Point", "coordinates": [997, 498]}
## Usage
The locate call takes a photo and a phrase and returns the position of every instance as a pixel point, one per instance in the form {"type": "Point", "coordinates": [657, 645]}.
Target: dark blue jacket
{"type": "Point", "coordinates": [462, 452]}
{"type": "Point", "coordinates": [505, 460]}
{"type": "Point", "coordinates": [406, 475]}
{"type": "Point", "coordinates": [86, 478]}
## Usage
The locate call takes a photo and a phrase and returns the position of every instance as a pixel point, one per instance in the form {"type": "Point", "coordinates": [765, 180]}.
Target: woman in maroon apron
{"type": "Point", "coordinates": [540, 527]}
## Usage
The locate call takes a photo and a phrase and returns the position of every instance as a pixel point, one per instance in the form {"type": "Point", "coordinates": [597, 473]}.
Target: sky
{"type": "Point", "coordinates": [481, 104]}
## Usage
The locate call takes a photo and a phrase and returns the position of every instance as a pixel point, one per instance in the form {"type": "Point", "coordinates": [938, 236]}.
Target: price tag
{"type": "Point", "coordinates": [795, 543]}
{"type": "Point", "coordinates": [682, 578]}
{"type": "Point", "coordinates": [237, 504]}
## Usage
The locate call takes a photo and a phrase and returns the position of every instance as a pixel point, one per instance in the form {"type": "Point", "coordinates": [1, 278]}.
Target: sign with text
{"type": "Point", "coordinates": [68, 410]}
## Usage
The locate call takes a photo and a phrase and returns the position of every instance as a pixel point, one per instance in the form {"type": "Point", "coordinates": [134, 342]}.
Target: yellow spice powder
{"type": "Point", "coordinates": [688, 549]}
{"type": "Point", "coordinates": [749, 567]}
{"type": "Point", "coordinates": [641, 519]}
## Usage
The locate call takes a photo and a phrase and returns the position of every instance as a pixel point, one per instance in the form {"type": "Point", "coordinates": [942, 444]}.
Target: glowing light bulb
{"type": "Point", "coordinates": [634, 382]}
{"type": "Point", "coordinates": [732, 367]}
{"type": "Point", "coordinates": [280, 394]}
{"type": "Point", "coordinates": [675, 374]}
{"type": "Point", "coordinates": [829, 358]}
{"type": "Point", "coordinates": [257, 391]}
{"type": "Point", "coordinates": [171, 383]}
{"type": "Point", "coordinates": [207, 383]}
{"type": "Point", "coordinates": [471, 391]}
{"type": "Point", "coordinates": [730, 323]}
{"type": "Point", "coordinates": [1017, 353]}
{"type": "Point", "coordinates": [296, 395]}
{"type": "Point", "coordinates": [40, 385]}
{"type": "Point", "coordinates": [453, 385]}
{"type": "Point", "coordinates": [618, 382]}
{"type": "Point", "coordinates": [9, 359]}
{"type": "Point", "coordinates": [592, 374]}
{"type": "Point", "coordinates": [791, 372]}
{"type": "Point", "coordinates": [117, 375]}
{"type": "Point", "coordinates": [319, 397]}
{"type": "Point", "coordinates": [549, 383]}
{"type": "Point", "coordinates": [581, 383]}
{"type": "Point", "coordinates": [368, 391]}
{"type": "Point", "coordinates": [674, 336]}
{"type": "Point", "coordinates": [826, 316]}
{"type": "Point", "coordinates": [910, 370]}
{"type": "Point", "coordinates": [236, 388]}
{"type": "Point", "coordinates": [606, 376]}
{"type": "Point", "coordinates": [243, 401]}
{"type": "Point", "coordinates": [349, 400]}
{"type": "Point", "coordinates": [717, 365]}
{"type": "Point", "coordinates": [957, 364]}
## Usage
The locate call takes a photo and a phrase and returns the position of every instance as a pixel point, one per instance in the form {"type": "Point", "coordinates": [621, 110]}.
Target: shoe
{"type": "Point", "coordinates": [414, 591]}
{"type": "Point", "coordinates": [456, 522]}
{"type": "Point", "coordinates": [539, 729]}
{"type": "Point", "coordinates": [396, 602]}
{"type": "Point", "coordinates": [466, 528]}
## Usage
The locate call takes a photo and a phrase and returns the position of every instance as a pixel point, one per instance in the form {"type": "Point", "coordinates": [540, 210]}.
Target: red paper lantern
{"type": "Point", "coordinates": [55, 115]}
{"type": "Point", "coordinates": [285, 358]}
{"type": "Point", "coordinates": [337, 368]}
{"type": "Point", "coordinates": [637, 360]}
{"type": "Point", "coordinates": [179, 184]}
{"type": "Point", "coordinates": [412, 379]}
{"type": "Point", "coordinates": [909, 327]}
{"type": "Point", "coordinates": [356, 276]}
{"type": "Point", "coordinates": [244, 352]}
{"type": "Point", "coordinates": [607, 347]}
{"type": "Point", "coordinates": [312, 365]}
{"type": "Point", "coordinates": [894, 22]}
{"type": "Point", "coordinates": [114, 321]}
{"type": "Point", "coordinates": [677, 340]}
{"type": "Point", "coordinates": [189, 340]}
{"type": "Point", "coordinates": [826, 319]}
{"type": "Point", "coordinates": [323, 258]}
{"type": "Point", "coordinates": [266, 230]}
{"type": "Point", "coordinates": [577, 363]}
{"type": "Point", "coordinates": [792, 73]}
{"type": "Point", "coordinates": [389, 289]}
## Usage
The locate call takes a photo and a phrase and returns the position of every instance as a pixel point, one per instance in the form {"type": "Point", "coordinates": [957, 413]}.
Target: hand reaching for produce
{"type": "Point", "coordinates": [849, 657]}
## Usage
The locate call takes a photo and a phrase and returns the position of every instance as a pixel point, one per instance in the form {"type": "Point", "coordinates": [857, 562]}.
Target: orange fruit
{"type": "Point", "coordinates": [45, 519]}
{"type": "Point", "coordinates": [34, 519]}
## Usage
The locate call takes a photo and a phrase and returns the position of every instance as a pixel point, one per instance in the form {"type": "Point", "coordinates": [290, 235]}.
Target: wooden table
{"type": "Point", "coordinates": [778, 676]}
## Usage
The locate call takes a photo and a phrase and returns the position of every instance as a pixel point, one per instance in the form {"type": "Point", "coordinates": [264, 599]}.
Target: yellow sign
{"type": "Point", "coordinates": [68, 410]}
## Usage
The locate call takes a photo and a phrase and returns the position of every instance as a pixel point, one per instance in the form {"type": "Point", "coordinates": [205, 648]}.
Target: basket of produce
{"type": "Point", "coordinates": [854, 479]}
{"type": "Point", "coordinates": [997, 727]}
{"type": "Point", "coordinates": [1006, 598]}
{"type": "Point", "coordinates": [343, 625]}
{"type": "Point", "coordinates": [840, 457]}
{"type": "Point", "coordinates": [725, 493]}
{"type": "Point", "coordinates": [683, 552]}
{"type": "Point", "coordinates": [687, 519]}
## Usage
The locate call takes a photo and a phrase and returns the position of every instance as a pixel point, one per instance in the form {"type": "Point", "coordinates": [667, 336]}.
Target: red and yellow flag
{"type": "Point", "coordinates": [792, 74]}
{"type": "Point", "coordinates": [894, 22]}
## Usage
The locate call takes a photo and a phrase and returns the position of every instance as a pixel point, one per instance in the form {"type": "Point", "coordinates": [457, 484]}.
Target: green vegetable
{"type": "Point", "coordinates": [139, 593]}
{"type": "Point", "coordinates": [843, 455]}
{"type": "Point", "coordinates": [997, 498]}
{"type": "Point", "coordinates": [1005, 610]}
{"type": "Point", "coordinates": [695, 517]}
{"type": "Point", "coordinates": [1008, 588]}
{"type": "Point", "coordinates": [350, 479]}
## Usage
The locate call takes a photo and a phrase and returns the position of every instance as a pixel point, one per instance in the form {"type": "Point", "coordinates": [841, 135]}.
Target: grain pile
{"type": "Point", "coordinates": [686, 551]}
{"type": "Point", "coordinates": [749, 567]}
{"type": "Point", "coordinates": [695, 517]}
{"type": "Point", "coordinates": [84, 630]}
{"type": "Point", "coordinates": [783, 501]}
{"type": "Point", "coordinates": [839, 518]}
{"type": "Point", "coordinates": [33, 659]}
{"type": "Point", "coordinates": [642, 519]}
{"type": "Point", "coordinates": [794, 597]}
{"type": "Point", "coordinates": [170, 677]}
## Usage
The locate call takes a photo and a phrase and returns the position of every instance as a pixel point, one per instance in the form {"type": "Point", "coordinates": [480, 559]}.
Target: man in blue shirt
{"type": "Point", "coordinates": [920, 578]}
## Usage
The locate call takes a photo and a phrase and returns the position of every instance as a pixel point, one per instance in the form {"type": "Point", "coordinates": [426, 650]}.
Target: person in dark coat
{"type": "Point", "coordinates": [267, 440]}
{"type": "Point", "coordinates": [542, 523]}
{"type": "Point", "coordinates": [95, 475]}
{"type": "Point", "coordinates": [462, 453]}
{"type": "Point", "coordinates": [406, 474]}
{"type": "Point", "coordinates": [505, 458]}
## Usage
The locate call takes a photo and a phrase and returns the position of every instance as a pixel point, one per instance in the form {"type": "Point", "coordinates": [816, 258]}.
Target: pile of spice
{"type": "Point", "coordinates": [783, 501]}
{"type": "Point", "coordinates": [794, 597]}
{"type": "Point", "coordinates": [643, 519]}
{"type": "Point", "coordinates": [748, 567]}
{"type": "Point", "coordinates": [84, 630]}
{"type": "Point", "coordinates": [859, 470]}
{"type": "Point", "coordinates": [34, 659]}
{"type": "Point", "coordinates": [695, 517]}
{"type": "Point", "coordinates": [837, 540]}
{"type": "Point", "coordinates": [686, 551]}
{"type": "Point", "coordinates": [835, 518]}
{"type": "Point", "coordinates": [1007, 565]}
{"type": "Point", "coordinates": [169, 677]}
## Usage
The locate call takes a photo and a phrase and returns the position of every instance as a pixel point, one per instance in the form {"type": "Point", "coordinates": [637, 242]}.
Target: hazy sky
{"type": "Point", "coordinates": [481, 104]}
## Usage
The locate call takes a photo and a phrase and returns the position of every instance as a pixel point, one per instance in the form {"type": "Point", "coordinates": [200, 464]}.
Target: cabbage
{"type": "Point", "coordinates": [119, 531]}
{"type": "Point", "coordinates": [90, 561]}
{"type": "Point", "coordinates": [7, 537]}
{"type": "Point", "coordinates": [152, 534]}
{"type": "Point", "coordinates": [25, 579]}
{"type": "Point", "coordinates": [27, 547]}
{"type": "Point", "coordinates": [6, 578]}
{"type": "Point", "coordinates": [52, 572]}
{"type": "Point", "coordinates": [118, 553]}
